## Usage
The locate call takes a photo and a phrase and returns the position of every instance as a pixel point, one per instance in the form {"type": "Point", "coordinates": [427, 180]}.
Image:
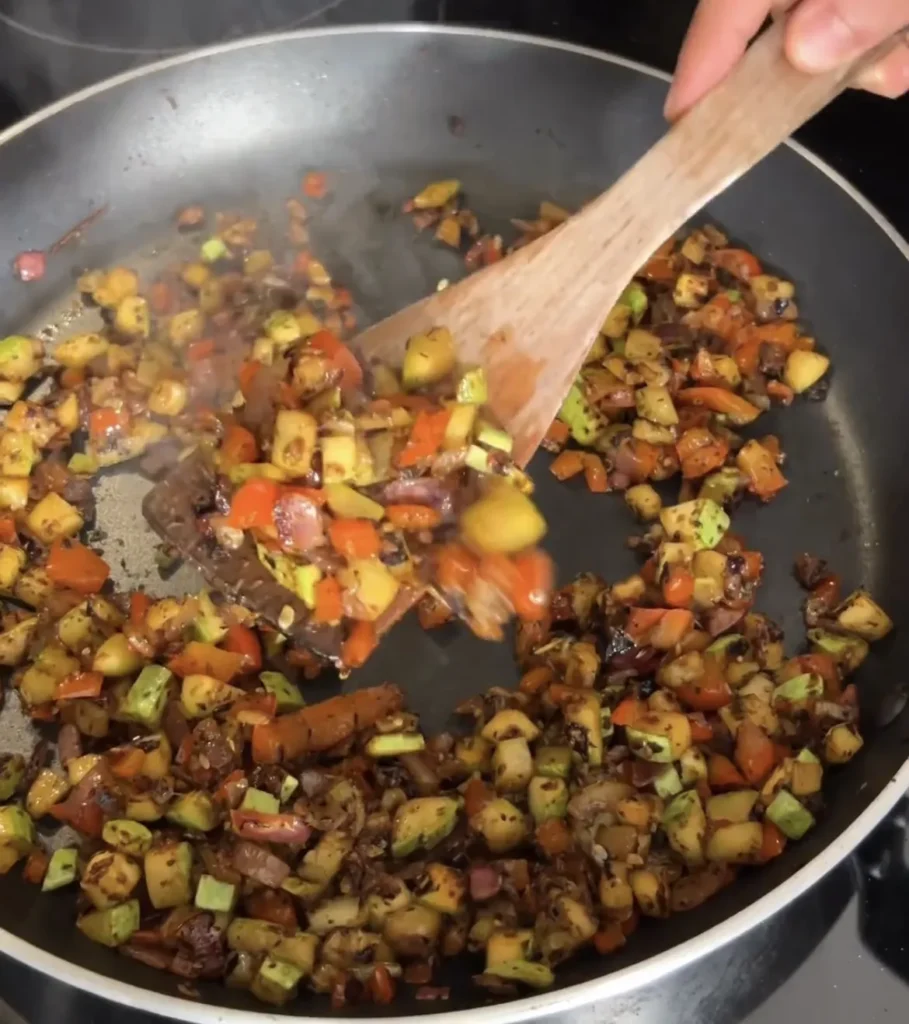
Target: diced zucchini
{"type": "Point", "coordinates": [298, 949]}
{"type": "Point", "coordinates": [393, 744]}
{"type": "Point", "coordinates": [528, 972]}
{"type": "Point", "coordinates": [305, 579]}
{"type": "Point", "coordinates": [215, 895]}
{"type": "Point", "coordinates": [209, 627]}
{"type": "Point", "coordinates": [116, 657]}
{"type": "Point", "coordinates": [111, 927]}
{"type": "Point", "coordinates": [512, 765]}
{"type": "Point", "coordinates": [644, 501]}
{"type": "Point", "coordinates": [547, 798]}
{"type": "Point", "coordinates": [17, 829]}
{"type": "Point", "coordinates": [276, 981]}
{"type": "Point", "coordinates": [580, 416]}
{"type": "Point", "coordinates": [797, 691]}
{"type": "Point", "coordinates": [841, 744]}
{"type": "Point", "coordinates": [286, 693]}
{"type": "Point", "coordinates": [668, 784]}
{"type": "Point", "coordinates": [859, 614]}
{"type": "Point", "coordinates": [201, 695]}
{"type": "Point", "coordinates": [721, 486]}
{"type": "Point", "coordinates": [472, 387]}
{"type": "Point", "coordinates": [62, 869]}
{"type": "Point", "coordinates": [428, 358]}
{"type": "Point", "coordinates": [848, 651]}
{"type": "Point", "coordinates": [195, 811]}
{"type": "Point", "coordinates": [147, 696]}
{"type": "Point", "coordinates": [294, 442]}
{"type": "Point", "coordinates": [12, 772]}
{"type": "Point", "coordinates": [792, 818]}
{"type": "Point", "coordinates": [509, 723]}
{"type": "Point", "coordinates": [804, 368]}
{"type": "Point", "coordinates": [249, 935]}
{"type": "Point", "coordinates": [282, 327]}
{"type": "Point", "coordinates": [422, 824]}
{"type": "Point", "coordinates": [732, 807]}
{"type": "Point", "coordinates": [553, 762]}
{"type": "Point", "coordinates": [259, 800]}
{"type": "Point", "coordinates": [501, 824]}
{"type": "Point", "coordinates": [109, 879]}
{"type": "Point", "coordinates": [659, 736]}
{"type": "Point", "coordinates": [346, 503]}
{"type": "Point", "coordinates": [701, 522]}
{"type": "Point", "coordinates": [494, 437]}
{"type": "Point", "coordinates": [168, 875]}
{"type": "Point", "coordinates": [339, 458]}
{"type": "Point", "coordinates": [685, 825]}
{"type": "Point", "coordinates": [53, 518]}
{"type": "Point", "coordinates": [127, 836]}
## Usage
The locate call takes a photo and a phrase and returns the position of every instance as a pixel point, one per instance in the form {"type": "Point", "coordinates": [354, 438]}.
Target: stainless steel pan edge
{"type": "Point", "coordinates": [611, 985]}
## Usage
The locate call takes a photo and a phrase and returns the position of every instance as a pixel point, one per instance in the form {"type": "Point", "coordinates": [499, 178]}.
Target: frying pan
{"type": "Point", "coordinates": [385, 110]}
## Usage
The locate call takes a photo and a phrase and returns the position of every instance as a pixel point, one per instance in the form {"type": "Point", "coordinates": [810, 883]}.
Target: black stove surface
{"type": "Point", "coordinates": [840, 951]}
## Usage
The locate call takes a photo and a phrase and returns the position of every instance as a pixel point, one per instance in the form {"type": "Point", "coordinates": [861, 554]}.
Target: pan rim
{"type": "Point", "coordinates": [584, 993]}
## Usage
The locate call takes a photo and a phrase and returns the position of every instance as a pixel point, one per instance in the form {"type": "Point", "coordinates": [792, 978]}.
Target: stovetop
{"type": "Point", "coordinates": [841, 951]}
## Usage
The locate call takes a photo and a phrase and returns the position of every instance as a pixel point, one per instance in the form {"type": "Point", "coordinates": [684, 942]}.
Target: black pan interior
{"type": "Point", "coordinates": [375, 109]}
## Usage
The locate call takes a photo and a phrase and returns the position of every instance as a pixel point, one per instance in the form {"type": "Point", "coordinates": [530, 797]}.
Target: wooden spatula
{"type": "Point", "coordinates": [531, 318]}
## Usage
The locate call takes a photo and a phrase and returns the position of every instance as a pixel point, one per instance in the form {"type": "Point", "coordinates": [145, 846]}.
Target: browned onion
{"type": "Point", "coordinates": [257, 863]}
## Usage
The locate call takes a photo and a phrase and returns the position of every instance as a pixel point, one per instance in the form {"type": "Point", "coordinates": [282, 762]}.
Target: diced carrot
{"type": "Point", "coordinates": [553, 837]}
{"type": "Point", "coordinates": [562, 693]}
{"type": "Point", "coordinates": [609, 938]}
{"type": "Point", "coordinates": [341, 358]}
{"type": "Point", "coordinates": [354, 538]}
{"type": "Point", "coordinates": [659, 268]}
{"type": "Point", "coordinates": [456, 568]}
{"type": "Point", "coordinates": [754, 566]}
{"type": "Point", "coordinates": [247, 374]}
{"type": "Point", "coordinates": [76, 567]}
{"type": "Point", "coordinates": [477, 794]}
{"type": "Point", "coordinates": [628, 711]}
{"type": "Point", "coordinates": [567, 464]}
{"type": "Point", "coordinates": [691, 417]}
{"type": "Point", "coordinates": [200, 350]}
{"type": "Point", "coordinates": [35, 867]}
{"type": "Point", "coordinates": [701, 729]}
{"type": "Point", "coordinates": [780, 392]}
{"type": "Point", "coordinates": [239, 446]}
{"type": "Point", "coordinates": [532, 585]}
{"type": "Point", "coordinates": [139, 603]}
{"type": "Point", "coordinates": [360, 643]}
{"type": "Point", "coordinates": [243, 641]}
{"type": "Point", "coordinates": [746, 352]}
{"type": "Point", "coordinates": [125, 762]}
{"type": "Point", "coordinates": [678, 587]}
{"type": "Point", "coordinates": [315, 185]}
{"type": "Point", "coordinates": [43, 712]}
{"type": "Point", "coordinates": [595, 474]}
{"type": "Point", "coordinates": [705, 695]}
{"type": "Point", "coordinates": [700, 452]}
{"type": "Point", "coordinates": [739, 262]}
{"type": "Point", "coordinates": [638, 459]}
{"type": "Point", "coordinates": [754, 753]}
{"type": "Point", "coordinates": [773, 842]}
{"type": "Point", "coordinates": [671, 628]}
{"type": "Point", "coordinates": [704, 372]}
{"type": "Point", "coordinates": [413, 517]}
{"type": "Point", "coordinates": [723, 774]}
{"type": "Point", "coordinates": [557, 434]}
{"type": "Point", "coordinates": [641, 622]}
{"type": "Point", "coordinates": [72, 377]}
{"type": "Point", "coordinates": [739, 410]}
{"type": "Point", "coordinates": [784, 333]}
{"type": "Point", "coordinates": [329, 607]}
{"type": "Point", "coordinates": [772, 443]}
{"type": "Point", "coordinates": [103, 422]}
{"type": "Point", "coordinates": [207, 660]}
{"type": "Point", "coordinates": [425, 439]}
{"type": "Point", "coordinates": [536, 679]}
{"type": "Point", "coordinates": [254, 504]}
{"type": "Point", "coordinates": [8, 532]}
{"type": "Point", "coordinates": [79, 684]}
{"type": "Point", "coordinates": [274, 906]}
{"type": "Point", "coordinates": [759, 466]}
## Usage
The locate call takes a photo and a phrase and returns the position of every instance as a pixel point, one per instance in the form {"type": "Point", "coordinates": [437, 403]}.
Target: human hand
{"type": "Point", "coordinates": [821, 35]}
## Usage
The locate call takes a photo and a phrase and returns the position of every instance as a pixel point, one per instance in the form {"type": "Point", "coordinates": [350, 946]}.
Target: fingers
{"type": "Point", "coordinates": [717, 37]}
{"type": "Point", "coordinates": [889, 77]}
{"type": "Point", "coordinates": [823, 34]}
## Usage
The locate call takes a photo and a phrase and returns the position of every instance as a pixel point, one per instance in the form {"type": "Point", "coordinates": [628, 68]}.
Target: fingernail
{"type": "Point", "coordinates": [820, 39]}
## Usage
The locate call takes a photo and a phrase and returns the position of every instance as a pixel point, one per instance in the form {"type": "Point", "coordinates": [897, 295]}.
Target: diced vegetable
{"type": "Point", "coordinates": [422, 823]}
{"type": "Point", "coordinates": [113, 926]}
{"type": "Point", "coordinates": [285, 692]}
{"type": "Point", "coordinates": [859, 614]}
{"type": "Point", "coordinates": [215, 895]}
{"type": "Point", "coordinates": [148, 694]}
{"type": "Point", "coordinates": [63, 869]}
{"type": "Point", "coordinates": [580, 416]}
{"type": "Point", "coordinates": [168, 875]}
{"type": "Point", "coordinates": [791, 817]}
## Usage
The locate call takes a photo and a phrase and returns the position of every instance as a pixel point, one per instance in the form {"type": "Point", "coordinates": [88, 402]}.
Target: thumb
{"type": "Point", "coordinates": [822, 34]}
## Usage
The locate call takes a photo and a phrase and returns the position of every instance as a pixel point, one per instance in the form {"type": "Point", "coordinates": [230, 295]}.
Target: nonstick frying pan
{"type": "Point", "coordinates": [385, 110]}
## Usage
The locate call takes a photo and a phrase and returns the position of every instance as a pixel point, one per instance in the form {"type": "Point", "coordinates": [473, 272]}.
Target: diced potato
{"type": "Point", "coordinates": [186, 327]}
{"type": "Point", "coordinates": [733, 807]}
{"type": "Point", "coordinates": [115, 657]}
{"type": "Point", "coordinates": [168, 398]}
{"type": "Point", "coordinates": [504, 521]}
{"type": "Point", "coordinates": [168, 875]}
{"type": "Point", "coordinates": [804, 369]}
{"type": "Point", "coordinates": [18, 454]}
{"type": "Point", "coordinates": [13, 493]}
{"type": "Point", "coordinates": [53, 518]}
{"type": "Point", "coordinates": [38, 683]}
{"type": "Point", "coordinates": [80, 350]}
{"type": "Point", "coordinates": [841, 744]}
{"type": "Point", "coordinates": [19, 358]}
{"type": "Point", "coordinates": [685, 825]}
{"type": "Point", "coordinates": [437, 194]}
{"type": "Point", "coordinates": [651, 891]}
{"type": "Point", "coordinates": [691, 290]}
{"type": "Point", "coordinates": [371, 585]}
{"type": "Point", "coordinates": [110, 288]}
{"type": "Point", "coordinates": [201, 695]}
{"type": "Point", "coordinates": [736, 844]}
{"type": "Point", "coordinates": [644, 501]}
{"type": "Point", "coordinates": [109, 878]}
{"type": "Point", "coordinates": [48, 789]}
{"type": "Point", "coordinates": [861, 615]}
{"type": "Point", "coordinates": [132, 317]}
{"type": "Point", "coordinates": [14, 641]}
{"type": "Point", "coordinates": [509, 723]}
{"type": "Point", "coordinates": [428, 358]}
{"type": "Point", "coordinates": [642, 345]}
{"type": "Point", "coordinates": [512, 765]}
{"type": "Point", "coordinates": [501, 824]}
{"type": "Point", "coordinates": [652, 433]}
{"type": "Point", "coordinates": [660, 736]}
{"type": "Point", "coordinates": [12, 562]}
{"type": "Point", "coordinates": [655, 404]}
